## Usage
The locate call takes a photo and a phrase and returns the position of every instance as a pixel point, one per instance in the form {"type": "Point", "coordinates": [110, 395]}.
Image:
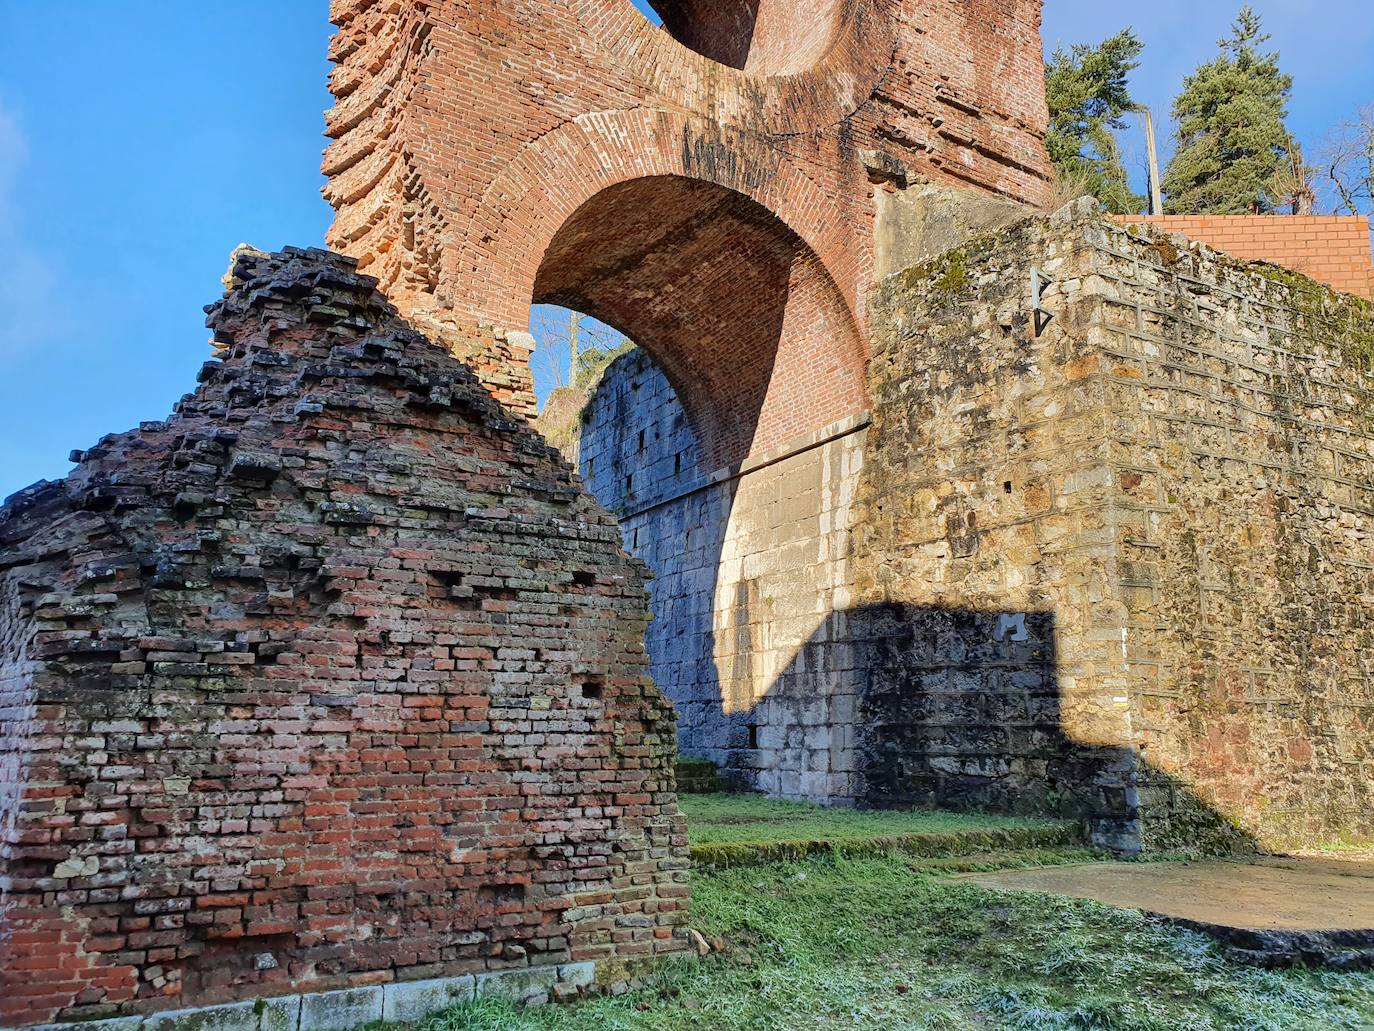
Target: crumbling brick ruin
{"type": "Point", "coordinates": [332, 680]}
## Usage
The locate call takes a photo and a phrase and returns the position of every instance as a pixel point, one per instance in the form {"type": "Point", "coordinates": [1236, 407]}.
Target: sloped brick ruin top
{"type": "Point", "coordinates": [333, 678]}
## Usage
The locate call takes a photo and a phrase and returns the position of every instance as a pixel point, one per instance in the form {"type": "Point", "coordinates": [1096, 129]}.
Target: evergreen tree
{"type": "Point", "coordinates": [1088, 94]}
{"type": "Point", "coordinates": [1231, 135]}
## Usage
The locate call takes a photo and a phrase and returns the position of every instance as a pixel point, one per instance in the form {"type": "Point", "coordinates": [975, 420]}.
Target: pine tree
{"type": "Point", "coordinates": [1231, 135]}
{"type": "Point", "coordinates": [1088, 95]}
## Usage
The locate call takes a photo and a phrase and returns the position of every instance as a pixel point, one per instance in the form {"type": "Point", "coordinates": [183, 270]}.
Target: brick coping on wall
{"type": "Point", "coordinates": [1332, 249]}
{"type": "Point", "coordinates": [399, 1002]}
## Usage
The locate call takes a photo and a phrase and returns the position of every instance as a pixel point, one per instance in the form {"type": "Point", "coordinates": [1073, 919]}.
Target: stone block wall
{"type": "Point", "coordinates": [1111, 560]}
{"type": "Point", "coordinates": [1165, 492]}
{"type": "Point", "coordinates": [1242, 462]}
{"type": "Point", "coordinates": [748, 566]}
{"type": "Point", "coordinates": [333, 680]}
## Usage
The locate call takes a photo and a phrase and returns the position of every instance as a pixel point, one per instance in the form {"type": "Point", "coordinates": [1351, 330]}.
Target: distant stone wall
{"type": "Point", "coordinates": [1332, 249]}
{"type": "Point", "coordinates": [748, 566]}
{"type": "Point", "coordinates": [333, 680]}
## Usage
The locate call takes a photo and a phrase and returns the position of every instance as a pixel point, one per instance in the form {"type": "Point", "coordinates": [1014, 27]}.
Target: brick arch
{"type": "Point", "coordinates": [783, 65]}
{"type": "Point", "coordinates": [740, 313]}
{"type": "Point", "coordinates": [496, 265]}
{"type": "Point", "coordinates": [762, 37]}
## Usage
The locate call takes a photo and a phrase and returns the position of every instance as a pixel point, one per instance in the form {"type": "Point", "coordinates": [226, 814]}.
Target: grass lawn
{"type": "Point", "coordinates": [834, 944]}
{"type": "Point", "coordinates": [730, 819]}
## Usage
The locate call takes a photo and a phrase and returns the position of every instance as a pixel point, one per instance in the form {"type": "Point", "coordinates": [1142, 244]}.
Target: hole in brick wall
{"type": "Point", "coordinates": [762, 37]}
{"type": "Point", "coordinates": [753, 735]}
{"type": "Point", "coordinates": [592, 690]}
{"type": "Point", "coordinates": [492, 895]}
{"type": "Point", "coordinates": [571, 350]}
{"type": "Point", "coordinates": [1007, 486]}
{"type": "Point", "coordinates": [583, 578]}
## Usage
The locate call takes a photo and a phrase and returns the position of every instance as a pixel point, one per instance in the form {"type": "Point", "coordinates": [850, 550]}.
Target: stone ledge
{"type": "Point", "coordinates": [403, 1002]}
{"type": "Point", "coordinates": [797, 446]}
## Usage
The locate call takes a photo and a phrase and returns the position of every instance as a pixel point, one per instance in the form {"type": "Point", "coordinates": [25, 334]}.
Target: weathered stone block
{"type": "Point", "coordinates": [410, 1001]}
{"type": "Point", "coordinates": [339, 1011]}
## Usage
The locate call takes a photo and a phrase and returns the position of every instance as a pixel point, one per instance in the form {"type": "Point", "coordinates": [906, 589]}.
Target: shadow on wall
{"type": "Point", "coordinates": [964, 710]}
{"type": "Point", "coordinates": [792, 694]}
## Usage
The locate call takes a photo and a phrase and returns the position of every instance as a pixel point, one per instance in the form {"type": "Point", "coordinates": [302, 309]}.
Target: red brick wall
{"type": "Point", "coordinates": [470, 135]}
{"type": "Point", "coordinates": [334, 678]}
{"type": "Point", "coordinates": [1331, 249]}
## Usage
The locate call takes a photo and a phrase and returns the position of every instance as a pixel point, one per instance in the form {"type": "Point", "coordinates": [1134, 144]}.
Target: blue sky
{"type": "Point", "coordinates": [137, 149]}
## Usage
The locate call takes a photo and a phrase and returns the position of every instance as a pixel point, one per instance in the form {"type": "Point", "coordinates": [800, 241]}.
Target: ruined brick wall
{"type": "Point", "coordinates": [721, 166]}
{"type": "Point", "coordinates": [1127, 560]}
{"type": "Point", "coordinates": [332, 679]}
{"type": "Point", "coordinates": [749, 566]}
{"type": "Point", "coordinates": [1332, 249]}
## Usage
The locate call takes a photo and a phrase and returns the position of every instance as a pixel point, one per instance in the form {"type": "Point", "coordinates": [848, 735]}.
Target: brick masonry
{"type": "Point", "coordinates": [705, 187]}
{"type": "Point", "coordinates": [1332, 249]}
{"type": "Point", "coordinates": [334, 679]}
{"type": "Point", "coordinates": [1118, 567]}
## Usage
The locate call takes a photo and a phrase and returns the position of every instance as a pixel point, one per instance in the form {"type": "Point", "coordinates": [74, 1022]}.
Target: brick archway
{"type": "Point", "coordinates": [782, 66]}
{"type": "Point", "coordinates": [468, 132]}
{"type": "Point", "coordinates": [536, 194]}
{"type": "Point", "coordinates": [742, 315]}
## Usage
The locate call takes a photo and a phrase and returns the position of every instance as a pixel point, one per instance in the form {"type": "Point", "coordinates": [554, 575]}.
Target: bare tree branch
{"type": "Point", "coordinates": [1346, 161]}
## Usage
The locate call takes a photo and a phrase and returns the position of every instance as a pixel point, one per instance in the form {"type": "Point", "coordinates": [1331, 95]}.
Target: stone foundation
{"type": "Point", "coordinates": [333, 680]}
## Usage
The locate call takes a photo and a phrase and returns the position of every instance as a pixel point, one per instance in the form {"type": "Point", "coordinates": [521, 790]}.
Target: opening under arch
{"type": "Point", "coordinates": [741, 315]}
{"type": "Point", "coordinates": [762, 37]}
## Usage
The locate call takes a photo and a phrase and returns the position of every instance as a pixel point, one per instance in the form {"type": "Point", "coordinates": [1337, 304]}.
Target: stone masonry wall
{"type": "Point", "coordinates": [333, 679]}
{"type": "Point", "coordinates": [748, 568]}
{"type": "Point", "coordinates": [1112, 561]}
{"type": "Point", "coordinates": [1135, 547]}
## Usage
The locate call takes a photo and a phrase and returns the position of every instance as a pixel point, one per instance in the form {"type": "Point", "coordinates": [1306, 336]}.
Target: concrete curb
{"type": "Point", "coordinates": [402, 1002]}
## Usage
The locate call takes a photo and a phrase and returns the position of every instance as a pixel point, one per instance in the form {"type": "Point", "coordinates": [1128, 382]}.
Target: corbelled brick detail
{"type": "Point", "coordinates": [707, 187]}
{"type": "Point", "coordinates": [334, 678]}
{"type": "Point", "coordinates": [1332, 249]}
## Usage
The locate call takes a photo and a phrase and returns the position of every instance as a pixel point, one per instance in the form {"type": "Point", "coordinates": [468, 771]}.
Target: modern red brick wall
{"type": "Point", "coordinates": [1332, 249]}
{"type": "Point", "coordinates": [332, 679]}
{"type": "Point", "coordinates": [484, 151]}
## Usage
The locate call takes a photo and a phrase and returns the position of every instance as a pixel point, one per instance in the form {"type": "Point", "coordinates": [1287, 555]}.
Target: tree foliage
{"type": "Point", "coordinates": [1232, 141]}
{"type": "Point", "coordinates": [1089, 94]}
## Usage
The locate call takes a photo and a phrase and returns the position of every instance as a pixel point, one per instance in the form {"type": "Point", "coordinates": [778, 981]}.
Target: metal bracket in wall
{"type": "Point", "coordinates": [1039, 281]}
